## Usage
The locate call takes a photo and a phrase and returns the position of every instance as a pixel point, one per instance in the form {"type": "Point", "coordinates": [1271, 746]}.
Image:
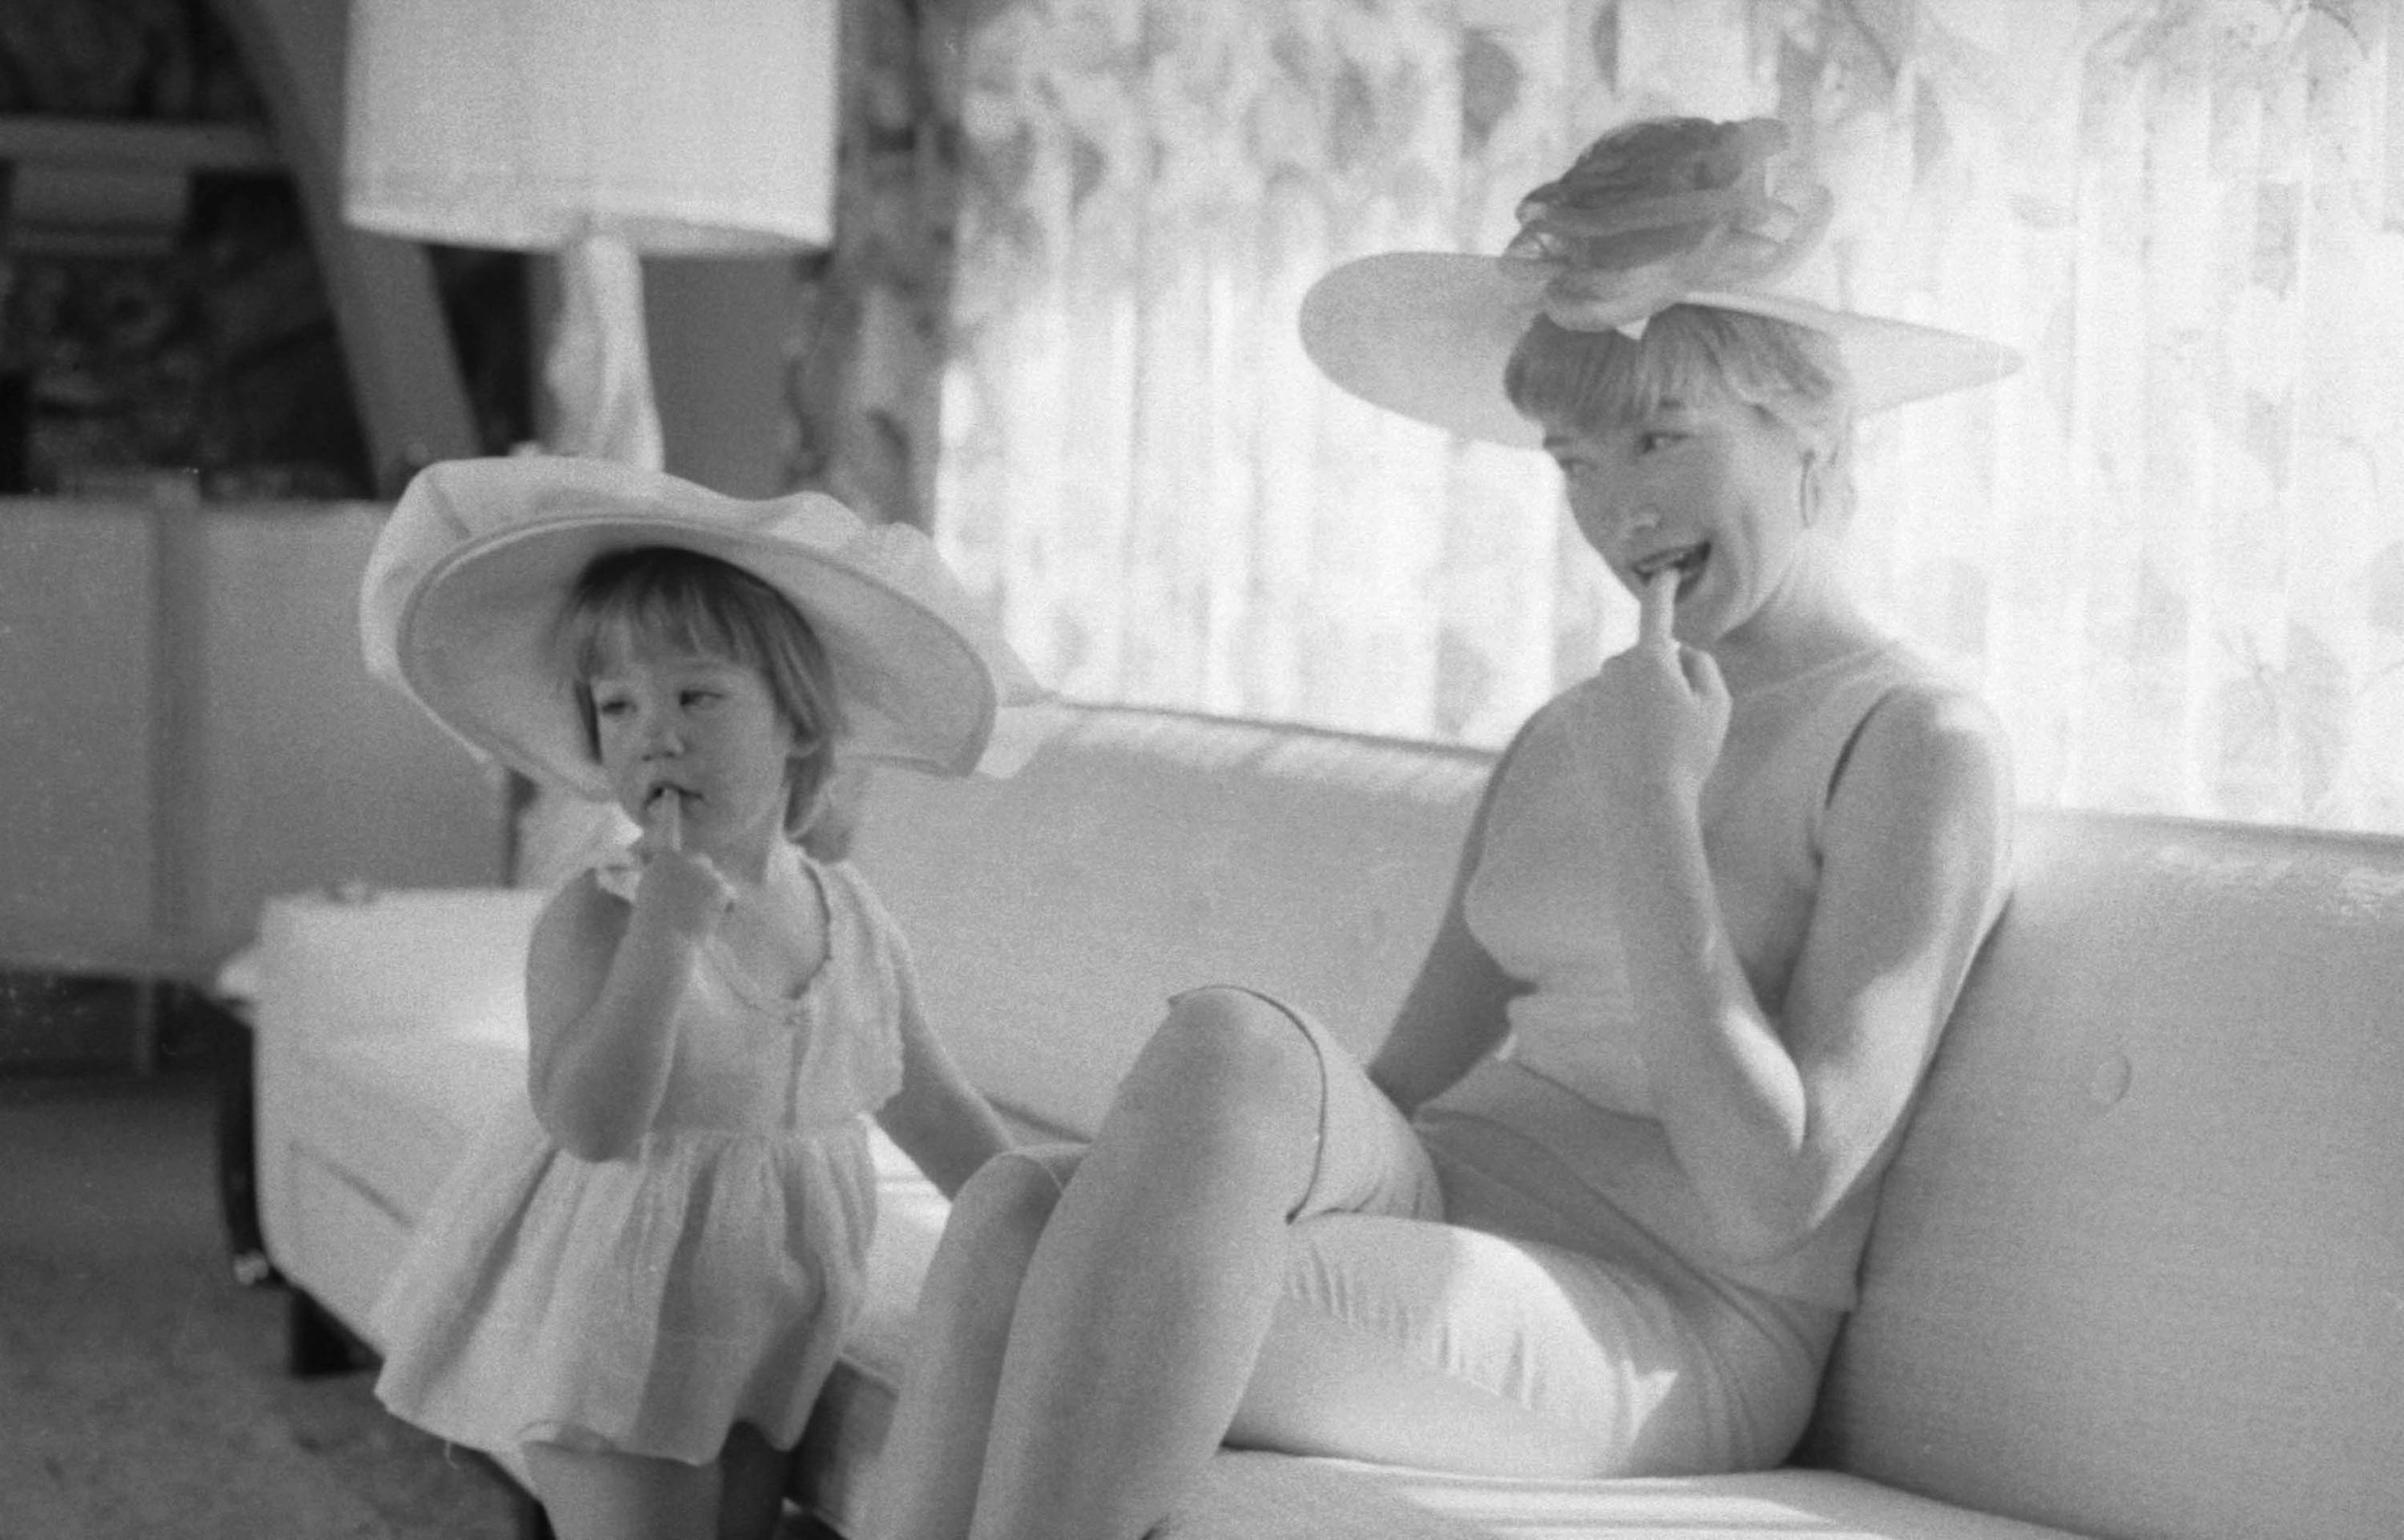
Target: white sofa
{"type": "Point", "coordinates": [2138, 1272]}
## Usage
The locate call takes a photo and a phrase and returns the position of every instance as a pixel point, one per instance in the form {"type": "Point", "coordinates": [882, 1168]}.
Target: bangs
{"type": "Point", "coordinates": [666, 597]}
{"type": "Point", "coordinates": [1690, 354]}
{"type": "Point", "coordinates": [663, 596]}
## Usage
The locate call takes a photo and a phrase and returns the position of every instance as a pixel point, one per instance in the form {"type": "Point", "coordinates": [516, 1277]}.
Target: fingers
{"type": "Point", "coordinates": [665, 817]}
{"type": "Point", "coordinates": [1702, 672]}
{"type": "Point", "coordinates": [1660, 611]}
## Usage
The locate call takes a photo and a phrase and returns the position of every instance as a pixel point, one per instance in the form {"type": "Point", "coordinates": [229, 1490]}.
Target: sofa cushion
{"type": "Point", "coordinates": [2139, 1267]}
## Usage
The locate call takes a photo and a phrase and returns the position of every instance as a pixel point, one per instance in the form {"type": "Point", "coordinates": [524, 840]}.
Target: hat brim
{"type": "Point", "coordinates": [1428, 334]}
{"type": "Point", "coordinates": [473, 637]}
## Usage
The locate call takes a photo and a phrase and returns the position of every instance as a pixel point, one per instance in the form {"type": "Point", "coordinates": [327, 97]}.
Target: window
{"type": "Point", "coordinates": [2170, 551]}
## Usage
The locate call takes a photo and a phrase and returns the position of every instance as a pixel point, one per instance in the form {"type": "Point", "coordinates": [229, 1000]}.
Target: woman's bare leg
{"type": "Point", "coordinates": [926, 1479]}
{"type": "Point", "coordinates": [1145, 1303]}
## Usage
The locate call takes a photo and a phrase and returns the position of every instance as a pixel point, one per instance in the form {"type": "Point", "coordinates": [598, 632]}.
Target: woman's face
{"type": "Point", "coordinates": [1712, 489]}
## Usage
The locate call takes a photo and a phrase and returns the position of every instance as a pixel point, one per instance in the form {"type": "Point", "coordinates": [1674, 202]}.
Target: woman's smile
{"type": "Point", "coordinates": [1686, 560]}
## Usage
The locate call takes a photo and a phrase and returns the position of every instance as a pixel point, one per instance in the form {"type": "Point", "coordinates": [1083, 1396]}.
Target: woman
{"type": "Point", "coordinates": [1597, 1205]}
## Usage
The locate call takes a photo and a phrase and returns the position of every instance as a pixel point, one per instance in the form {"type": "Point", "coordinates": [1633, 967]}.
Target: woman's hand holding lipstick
{"type": "Point", "coordinates": [1653, 717]}
{"type": "Point", "coordinates": [1656, 618]}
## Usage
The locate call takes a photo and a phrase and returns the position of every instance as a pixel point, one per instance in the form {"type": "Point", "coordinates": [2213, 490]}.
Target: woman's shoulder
{"type": "Point", "coordinates": [1907, 667]}
{"type": "Point", "coordinates": [1899, 696]}
{"type": "Point", "coordinates": [1934, 744]}
{"type": "Point", "coordinates": [1930, 709]}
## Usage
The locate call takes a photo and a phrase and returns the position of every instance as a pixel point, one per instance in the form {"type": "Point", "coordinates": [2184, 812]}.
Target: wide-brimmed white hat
{"type": "Point", "coordinates": [1656, 213]}
{"type": "Point", "coordinates": [463, 594]}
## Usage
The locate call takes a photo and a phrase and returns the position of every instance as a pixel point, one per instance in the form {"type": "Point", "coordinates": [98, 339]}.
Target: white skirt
{"type": "Point", "coordinates": [644, 1306]}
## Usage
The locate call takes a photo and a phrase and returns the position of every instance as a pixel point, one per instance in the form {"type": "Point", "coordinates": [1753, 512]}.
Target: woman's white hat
{"type": "Point", "coordinates": [463, 593]}
{"type": "Point", "coordinates": [1656, 213]}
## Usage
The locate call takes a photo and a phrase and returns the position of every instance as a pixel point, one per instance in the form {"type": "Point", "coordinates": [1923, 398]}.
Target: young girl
{"type": "Point", "coordinates": [641, 1277]}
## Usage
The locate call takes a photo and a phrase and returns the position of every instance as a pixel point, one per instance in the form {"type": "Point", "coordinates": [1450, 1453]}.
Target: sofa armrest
{"type": "Point", "coordinates": [418, 959]}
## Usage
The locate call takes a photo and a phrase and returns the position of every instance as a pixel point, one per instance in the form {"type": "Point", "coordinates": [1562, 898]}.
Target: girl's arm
{"type": "Point", "coordinates": [602, 983]}
{"type": "Point", "coordinates": [941, 1121]}
{"type": "Point", "coordinates": [1453, 1015]}
{"type": "Point", "coordinates": [1775, 1123]}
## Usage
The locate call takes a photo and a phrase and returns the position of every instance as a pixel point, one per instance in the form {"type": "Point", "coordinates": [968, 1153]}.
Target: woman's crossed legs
{"type": "Point", "coordinates": [1086, 1344]}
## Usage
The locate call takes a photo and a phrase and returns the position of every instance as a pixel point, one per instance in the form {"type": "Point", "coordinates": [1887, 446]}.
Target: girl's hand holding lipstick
{"type": "Point", "coordinates": [684, 888]}
{"type": "Point", "coordinates": [1653, 717]}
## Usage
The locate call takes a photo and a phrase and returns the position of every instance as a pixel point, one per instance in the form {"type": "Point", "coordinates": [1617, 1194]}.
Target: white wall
{"type": "Point", "coordinates": [76, 872]}
{"type": "Point", "coordinates": [189, 730]}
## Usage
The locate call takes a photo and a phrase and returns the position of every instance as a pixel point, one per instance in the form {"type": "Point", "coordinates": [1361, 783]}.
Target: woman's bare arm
{"type": "Point", "coordinates": [1454, 1015]}
{"type": "Point", "coordinates": [1775, 1122]}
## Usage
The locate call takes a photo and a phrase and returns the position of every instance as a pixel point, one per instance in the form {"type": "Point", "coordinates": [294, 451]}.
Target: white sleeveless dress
{"type": "Point", "coordinates": [646, 1305]}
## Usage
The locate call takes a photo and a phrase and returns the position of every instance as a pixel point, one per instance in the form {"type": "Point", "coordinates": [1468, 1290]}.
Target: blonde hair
{"type": "Point", "coordinates": [1696, 354]}
{"type": "Point", "coordinates": [667, 595]}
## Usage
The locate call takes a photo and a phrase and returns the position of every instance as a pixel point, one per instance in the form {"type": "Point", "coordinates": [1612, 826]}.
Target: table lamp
{"type": "Point", "coordinates": [598, 130]}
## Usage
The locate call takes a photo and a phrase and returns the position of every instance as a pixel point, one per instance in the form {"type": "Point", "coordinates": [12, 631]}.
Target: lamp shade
{"type": "Point", "coordinates": [677, 127]}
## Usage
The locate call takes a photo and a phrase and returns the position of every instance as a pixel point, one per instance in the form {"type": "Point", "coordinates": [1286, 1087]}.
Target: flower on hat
{"type": "Point", "coordinates": [1665, 209]}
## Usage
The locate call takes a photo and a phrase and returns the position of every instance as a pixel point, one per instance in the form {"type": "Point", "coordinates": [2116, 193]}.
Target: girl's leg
{"type": "Point", "coordinates": [600, 1494]}
{"type": "Point", "coordinates": [1146, 1301]}
{"type": "Point", "coordinates": [752, 1485]}
{"type": "Point", "coordinates": [926, 1479]}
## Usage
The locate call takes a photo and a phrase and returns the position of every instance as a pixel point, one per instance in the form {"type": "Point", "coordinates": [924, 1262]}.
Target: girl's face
{"type": "Point", "coordinates": [1710, 489]}
{"type": "Point", "coordinates": [702, 726]}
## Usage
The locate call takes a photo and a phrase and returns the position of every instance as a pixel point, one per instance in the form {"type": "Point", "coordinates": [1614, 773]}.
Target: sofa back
{"type": "Point", "coordinates": [2139, 1270]}
{"type": "Point", "coordinates": [1143, 853]}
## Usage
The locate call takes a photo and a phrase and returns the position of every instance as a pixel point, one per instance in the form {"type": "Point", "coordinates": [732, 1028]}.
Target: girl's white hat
{"type": "Point", "coordinates": [463, 593]}
{"type": "Point", "coordinates": [1656, 213]}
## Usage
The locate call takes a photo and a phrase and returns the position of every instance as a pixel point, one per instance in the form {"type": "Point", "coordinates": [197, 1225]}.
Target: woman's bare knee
{"type": "Point", "coordinates": [1229, 1054]}
{"type": "Point", "coordinates": [1227, 1090]}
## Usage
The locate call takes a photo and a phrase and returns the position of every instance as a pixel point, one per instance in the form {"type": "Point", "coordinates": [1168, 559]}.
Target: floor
{"type": "Point", "coordinates": [144, 1388]}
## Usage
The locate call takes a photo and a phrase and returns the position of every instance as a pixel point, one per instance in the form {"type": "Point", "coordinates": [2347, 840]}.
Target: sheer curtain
{"type": "Point", "coordinates": [2169, 551]}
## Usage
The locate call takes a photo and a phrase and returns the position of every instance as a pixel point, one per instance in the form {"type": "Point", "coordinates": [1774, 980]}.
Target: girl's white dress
{"type": "Point", "coordinates": [646, 1305]}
